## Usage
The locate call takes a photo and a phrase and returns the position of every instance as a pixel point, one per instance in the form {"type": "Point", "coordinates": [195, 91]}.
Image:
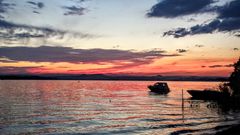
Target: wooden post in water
{"type": "Point", "coordinates": [182, 107]}
{"type": "Point", "coordinates": [182, 100]}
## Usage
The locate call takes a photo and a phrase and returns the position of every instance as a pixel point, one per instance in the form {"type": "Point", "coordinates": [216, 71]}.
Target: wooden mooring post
{"type": "Point", "coordinates": [182, 99]}
{"type": "Point", "coordinates": [182, 107]}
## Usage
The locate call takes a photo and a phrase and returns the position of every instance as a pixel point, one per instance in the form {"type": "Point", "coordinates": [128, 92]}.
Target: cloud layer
{"type": "Point", "coordinates": [12, 32]}
{"type": "Point", "coordinates": [227, 20]}
{"type": "Point", "coordinates": [17, 70]}
{"type": "Point", "coordinates": [219, 66]}
{"type": "Point", "coordinates": [175, 8]}
{"type": "Point", "coordinates": [15, 33]}
{"type": "Point", "coordinates": [231, 25]}
{"type": "Point", "coordinates": [73, 10]}
{"type": "Point", "coordinates": [67, 54]}
{"type": "Point", "coordinates": [38, 5]}
{"type": "Point", "coordinates": [182, 50]}
{"type": "Point", "coordinates": [4, 7]}
{"type": "Point", "coordinates": [112, 60]}
{"type": "Point", "coordinates": [76, 9]}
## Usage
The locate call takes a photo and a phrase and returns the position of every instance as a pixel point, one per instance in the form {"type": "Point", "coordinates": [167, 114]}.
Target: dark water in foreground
{"type": "Point", "coordinates": [106, 107]}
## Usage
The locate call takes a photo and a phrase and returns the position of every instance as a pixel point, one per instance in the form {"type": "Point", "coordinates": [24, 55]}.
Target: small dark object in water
{"type": "Point", "coordinates": [160, 88]}
{"type": "Point", "coordinates": [208, 94]}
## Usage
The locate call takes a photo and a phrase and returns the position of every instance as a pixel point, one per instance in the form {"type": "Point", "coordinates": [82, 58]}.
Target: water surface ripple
{"type": "Point", "coordinates": [106, 107]}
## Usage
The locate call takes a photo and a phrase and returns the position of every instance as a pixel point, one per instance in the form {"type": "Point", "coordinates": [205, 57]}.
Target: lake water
{"type": "Point", "coordinates": [107, 107]}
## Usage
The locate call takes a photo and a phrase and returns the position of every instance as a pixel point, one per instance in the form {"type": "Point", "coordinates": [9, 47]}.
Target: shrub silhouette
{"type": "Point", "coordinates": [234, 79]}
{"type": "Point", "coordinates": [225, 88]}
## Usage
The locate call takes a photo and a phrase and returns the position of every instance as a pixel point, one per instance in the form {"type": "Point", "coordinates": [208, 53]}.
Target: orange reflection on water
{"type": "Point", "coordinates": [101, 107]}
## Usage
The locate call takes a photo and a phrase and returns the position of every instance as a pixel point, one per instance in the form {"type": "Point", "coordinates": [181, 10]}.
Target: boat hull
{"type": "Point", "coordinates": [207, 94]}
{"type": "Point", "coordinates": [157, 90]}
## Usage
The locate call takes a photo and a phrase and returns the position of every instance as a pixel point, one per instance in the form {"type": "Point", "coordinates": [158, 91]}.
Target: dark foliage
{"type": "Point", "coordinates": [224, 88]}
{"type": "Point", "coordinates": [234, 79]}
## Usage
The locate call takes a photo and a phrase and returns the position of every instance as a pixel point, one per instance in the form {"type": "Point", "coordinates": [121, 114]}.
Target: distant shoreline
{"type": "Point", "coordinates": [114, 78]}
{"type": "Point", "coordinates": [101, 80]}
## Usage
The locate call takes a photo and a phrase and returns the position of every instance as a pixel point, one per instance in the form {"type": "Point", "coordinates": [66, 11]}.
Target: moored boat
{"type": "Point", "coordinates": [160, 88]}
{"type": "Point", "coordinates": [208, 94]}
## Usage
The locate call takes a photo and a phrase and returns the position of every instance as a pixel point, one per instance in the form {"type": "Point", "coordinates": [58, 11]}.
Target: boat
{"type": "Point", "coordinates": [208, 94]}
{"type": "Point", "coordinates": [160, 88]}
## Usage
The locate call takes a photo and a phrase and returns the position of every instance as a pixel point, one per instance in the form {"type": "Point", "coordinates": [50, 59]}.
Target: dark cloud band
{"type": "Point", "coordinates": [17, 70]}
{"type": "Point", "coordinates": [37, 4]}
{"type": "Point", "coordinates": [4, 7]}
{"type": "Point", "coordinates": [219, 66]}
{"type": "Point", "coordinates": [175, 8]}
{"type": "Point", "coordinates": [227, 20]}
{"type": "Point", "coordinates": [11, 32]}
{"type": "Point", "coordinates": [182, 50]}
{"type": "Point", "coordinates": [76, 9]}
{"type": "Point", "coordinates": [73, 10]}
{"type": "Point", "coordinates": [219, 25]}
{"type": "Point", "coordinates": [67, 54]}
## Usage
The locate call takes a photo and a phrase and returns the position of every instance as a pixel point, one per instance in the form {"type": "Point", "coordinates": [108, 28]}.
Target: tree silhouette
{"type": "Point", "coordinates": [234, 79]}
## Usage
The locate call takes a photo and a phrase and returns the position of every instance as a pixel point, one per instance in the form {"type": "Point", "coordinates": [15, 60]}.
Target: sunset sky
{"type": "Point", "coordinates": [130, 37]}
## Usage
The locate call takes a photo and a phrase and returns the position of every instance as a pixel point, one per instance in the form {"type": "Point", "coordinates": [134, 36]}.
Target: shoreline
{"type": "Point", "coordinates": [112, 77]}
{"type": "Point", "coordinates": [232, 130]}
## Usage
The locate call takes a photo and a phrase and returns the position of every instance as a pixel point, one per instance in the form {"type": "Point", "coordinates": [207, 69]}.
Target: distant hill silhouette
{"type": "Point", "coordinates": [110, 77]}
